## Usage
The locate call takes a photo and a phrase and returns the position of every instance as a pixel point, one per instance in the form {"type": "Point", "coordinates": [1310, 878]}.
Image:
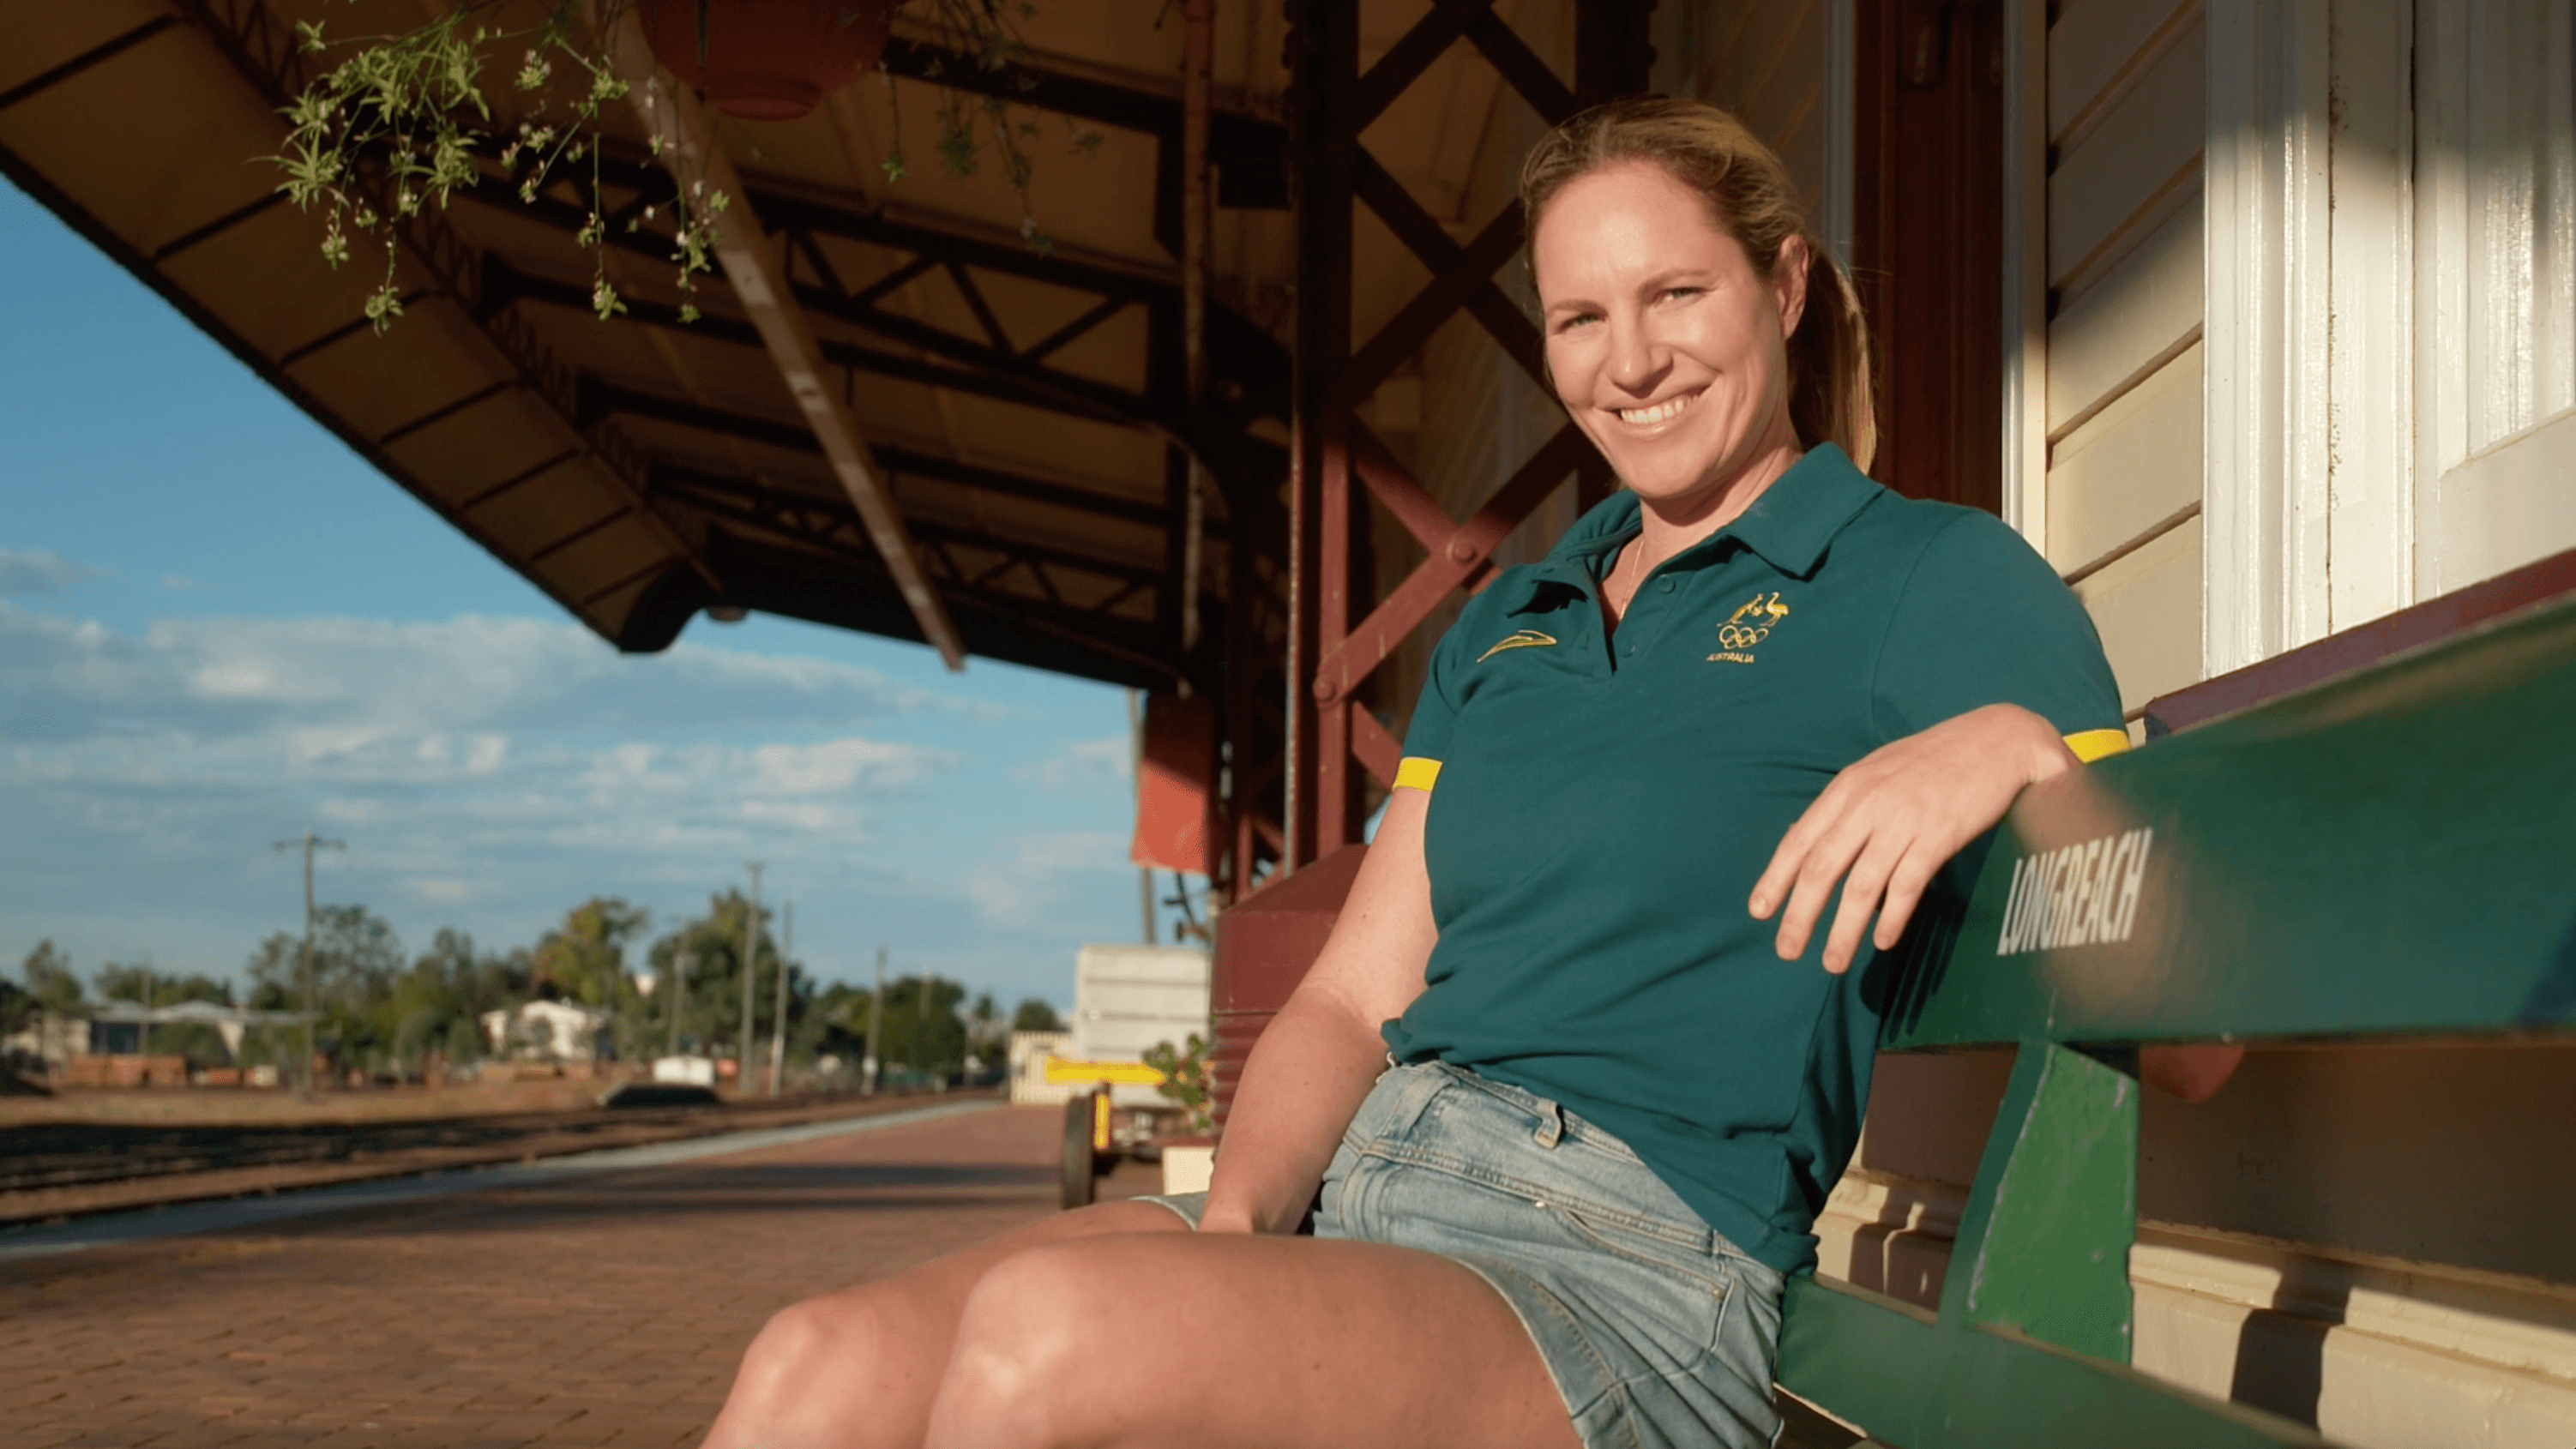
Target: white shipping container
{"type": "Point", "coordinates": [1126, 999]}
{"type": "Point", "coordinates": [1029, 1053]}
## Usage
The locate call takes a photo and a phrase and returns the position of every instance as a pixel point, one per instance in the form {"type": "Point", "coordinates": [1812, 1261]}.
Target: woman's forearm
{"type": "Point", "coordinates": [1307, 1076]}
{"type": "Point", "coordinates": [1317, 1059]}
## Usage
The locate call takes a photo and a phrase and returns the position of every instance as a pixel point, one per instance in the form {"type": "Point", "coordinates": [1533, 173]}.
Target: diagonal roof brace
{"type": "Point", "coordinates": [758, 276]}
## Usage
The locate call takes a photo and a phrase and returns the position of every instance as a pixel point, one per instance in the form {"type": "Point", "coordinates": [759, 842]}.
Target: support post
{"type": "Point", "coordinates": [2044, 1245]}
{"type": "Point", "coordinates": [757, 272]}
{"type": "Point", "coordinates": [1333, 743]}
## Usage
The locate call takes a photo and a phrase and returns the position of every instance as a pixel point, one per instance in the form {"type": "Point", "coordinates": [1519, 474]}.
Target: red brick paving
{"type": "Point", "coordinates": [607, 1310]}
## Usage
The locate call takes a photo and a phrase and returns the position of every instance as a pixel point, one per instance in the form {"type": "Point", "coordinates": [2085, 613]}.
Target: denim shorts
{"type": "Point", "coordinates": [1657, 1331]}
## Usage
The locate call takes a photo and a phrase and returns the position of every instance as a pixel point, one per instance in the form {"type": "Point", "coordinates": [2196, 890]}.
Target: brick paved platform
{"type": "Point", "coordinates": [610, 1309]}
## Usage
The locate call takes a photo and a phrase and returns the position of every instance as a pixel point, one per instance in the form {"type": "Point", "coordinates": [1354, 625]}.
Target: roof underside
{"type": "Point", "coordinates": [1026, 408]}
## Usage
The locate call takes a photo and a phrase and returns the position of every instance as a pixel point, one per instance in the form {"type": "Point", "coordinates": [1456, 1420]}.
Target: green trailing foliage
{"type": "Point", "coordinates": [397, 123]}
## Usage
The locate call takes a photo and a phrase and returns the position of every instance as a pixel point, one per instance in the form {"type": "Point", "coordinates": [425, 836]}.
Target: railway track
{"type": "Point", "coordinates": [52, 1170]}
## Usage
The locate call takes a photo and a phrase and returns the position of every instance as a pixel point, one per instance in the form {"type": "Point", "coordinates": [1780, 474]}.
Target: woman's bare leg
{"type": "Point", "coordinates": [860, 1367]}
{"type": "Point", "coordinates": [1115, 1326]}
{"type": "Point", "coordinates": [1222, 1341]}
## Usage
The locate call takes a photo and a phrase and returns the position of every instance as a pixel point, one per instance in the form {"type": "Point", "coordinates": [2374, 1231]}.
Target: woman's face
{"type": "Point", "coordinates": [1667, 348]}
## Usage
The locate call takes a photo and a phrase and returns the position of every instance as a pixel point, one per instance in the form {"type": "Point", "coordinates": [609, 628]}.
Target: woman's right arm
{"type": "Point", "coordinates": [1321, 1053]}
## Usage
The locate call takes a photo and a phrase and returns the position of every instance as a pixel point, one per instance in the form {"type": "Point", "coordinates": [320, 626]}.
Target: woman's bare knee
{"type": "Point", "coordinates": [805, 1378]}
{"type": "Point", "coordinates": [1017, 1378]}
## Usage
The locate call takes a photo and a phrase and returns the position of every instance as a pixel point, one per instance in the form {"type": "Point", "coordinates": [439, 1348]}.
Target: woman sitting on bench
{"type": "Point", "coordinates": [1563, 1102]}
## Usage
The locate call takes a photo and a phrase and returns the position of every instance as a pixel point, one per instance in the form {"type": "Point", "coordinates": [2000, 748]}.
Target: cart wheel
{"type": "Point", "coordinates": [1077, 1160]}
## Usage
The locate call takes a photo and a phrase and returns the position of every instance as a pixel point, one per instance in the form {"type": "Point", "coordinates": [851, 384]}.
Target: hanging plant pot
{"type": "Point", "coordinates": [766, 60]}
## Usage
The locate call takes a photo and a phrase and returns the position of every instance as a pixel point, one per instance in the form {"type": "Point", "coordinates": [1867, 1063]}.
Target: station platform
{"type": "Point", "coordinates": [567, 1307]}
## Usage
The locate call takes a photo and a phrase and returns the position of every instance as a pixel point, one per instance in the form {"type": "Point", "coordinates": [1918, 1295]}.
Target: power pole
{"type": "Point", "coordinates": [309, 842]}
{"type": "Point", "coordinates": [778, 1017]}
{"type": "Point", "coordinates": [876, 1032]}
{"type": "Point", "coordinates": [681, 961]}
{"type": "Point", "coordinates": [750, 969]}
{"type": "Point", "coordinates": [920, 1014]}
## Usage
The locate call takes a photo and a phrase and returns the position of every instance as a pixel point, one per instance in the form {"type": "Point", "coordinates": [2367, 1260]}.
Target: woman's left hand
{"type": "Point", "coordinates": [1893, 818]}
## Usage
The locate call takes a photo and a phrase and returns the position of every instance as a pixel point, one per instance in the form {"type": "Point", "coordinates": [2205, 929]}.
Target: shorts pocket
{"type": "Point", "coordinates": [1677, 1288]}
{"type": "Point", "coordinates": [1393, 1105]}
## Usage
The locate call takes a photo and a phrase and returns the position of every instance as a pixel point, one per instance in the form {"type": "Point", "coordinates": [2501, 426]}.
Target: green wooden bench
{"type": "Point", "coordinates": [2389, 854]}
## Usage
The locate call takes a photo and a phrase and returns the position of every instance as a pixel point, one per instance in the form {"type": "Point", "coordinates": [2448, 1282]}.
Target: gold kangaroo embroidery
{"type": "Point", "coordinates": [1748, 626]}
{"type": "Point", "coordinates": [1521, 639]}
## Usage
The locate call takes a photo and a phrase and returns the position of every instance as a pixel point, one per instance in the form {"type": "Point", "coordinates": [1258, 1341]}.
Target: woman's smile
{"type": "Point", "coordinates": [1651, 419]}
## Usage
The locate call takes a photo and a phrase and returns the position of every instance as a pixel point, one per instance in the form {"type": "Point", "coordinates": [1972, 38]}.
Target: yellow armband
{"type": "Point", "coordinates": [2088, 745]}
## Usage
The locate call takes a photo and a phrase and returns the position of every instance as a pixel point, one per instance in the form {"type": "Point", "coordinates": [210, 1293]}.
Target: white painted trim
{"type": "Point", "coordinates": [2370, 530]}
{"type": "Point", "coordinates": [2266, 421]}
{"type": "Point", "coordinates": [2024, 326]}
{"type": "Point", "coordinates": [1842, 59]}
{"type": "Point", "coordinates": [2441, 404]}
{"type": "Point", "coordinates": [2494, 355]}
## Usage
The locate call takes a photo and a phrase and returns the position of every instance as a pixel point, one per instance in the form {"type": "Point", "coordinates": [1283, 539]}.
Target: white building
{"type": "Point", "coordinates": [547, 1031]}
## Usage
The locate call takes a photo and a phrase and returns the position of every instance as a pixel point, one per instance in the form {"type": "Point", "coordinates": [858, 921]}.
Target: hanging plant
{"type": "Point", "coordinates": [399, 122]}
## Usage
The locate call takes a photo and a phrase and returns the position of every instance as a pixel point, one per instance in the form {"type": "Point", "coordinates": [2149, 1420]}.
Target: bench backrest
{"type": "Point", "coordinates": [2392, 853]}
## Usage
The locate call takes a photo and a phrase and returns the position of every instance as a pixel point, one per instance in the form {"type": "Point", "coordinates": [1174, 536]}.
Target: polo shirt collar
{"type": "Point", "coordinates": [1790, 525]}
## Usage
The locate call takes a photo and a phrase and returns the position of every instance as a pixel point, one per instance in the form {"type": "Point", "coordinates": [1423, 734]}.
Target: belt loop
{"type": "Point", "coordinates": [1551, 1124]}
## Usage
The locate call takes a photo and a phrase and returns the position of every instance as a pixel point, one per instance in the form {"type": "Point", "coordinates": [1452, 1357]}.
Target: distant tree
{"type": "Point", "coordinates": [357, 960]}
{"type": "Point", "coordinates": [923, 1030]}
{"type": "Point", "coordinates": [464, 1041]}
{"type": "Point", "coordinates": [584, 959]}
{"type": "Point", "coordinates": [51, 983]}
{"type": "Point", "coordinates": [713, 1016]}
{"type": "Point", "coordinates": [127, 983]}
{"type": "Point", "coordinates": [1035, 1015]}
{"type": "Point", "coordinates": [984, 1029]}
{"type": "Point", "coordinates": [438, 1004]}
{"type": "Point", "coordinates": [834, 1021]}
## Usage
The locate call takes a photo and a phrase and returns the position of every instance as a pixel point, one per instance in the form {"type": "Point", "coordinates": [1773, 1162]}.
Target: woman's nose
{"type": "Point", "coordinates": [1637, 359]}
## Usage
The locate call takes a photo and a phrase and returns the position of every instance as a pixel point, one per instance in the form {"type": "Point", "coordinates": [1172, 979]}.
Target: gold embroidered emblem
{"type": "Point", "coordinates": [1521, 639]}
{"type": "Point", "coordinates": [1748, 626]}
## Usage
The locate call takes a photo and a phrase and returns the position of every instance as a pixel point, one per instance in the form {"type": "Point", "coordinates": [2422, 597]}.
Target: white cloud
{"type": "Point", "coordinates": [471, 743]}
{"type": "Point", "coordinates": [487, 773]}
{"type": "Point", "coordinates": [1043, 870]}
{"type": "Point", "coordinates": [836, 765]}
{"type": "Point", "coordinates": [35, 571]}
{"type": "Point", "coordinates": [1100, 763]}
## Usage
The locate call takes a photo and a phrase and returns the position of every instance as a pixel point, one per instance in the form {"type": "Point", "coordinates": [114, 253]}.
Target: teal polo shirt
{"type": "Point", "coordinates": [1602, 804]}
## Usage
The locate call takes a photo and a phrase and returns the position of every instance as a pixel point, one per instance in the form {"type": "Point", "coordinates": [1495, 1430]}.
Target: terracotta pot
{"type": "Point", "coordinates": [767, 60]}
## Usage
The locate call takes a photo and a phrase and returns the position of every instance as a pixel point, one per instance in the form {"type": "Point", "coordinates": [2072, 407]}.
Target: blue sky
{"type": "Point", "coordinates": [219, 627]}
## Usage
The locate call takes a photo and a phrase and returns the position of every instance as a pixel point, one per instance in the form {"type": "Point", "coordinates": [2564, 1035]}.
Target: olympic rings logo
{"type": "Point", "coordinates": [1751, 624]}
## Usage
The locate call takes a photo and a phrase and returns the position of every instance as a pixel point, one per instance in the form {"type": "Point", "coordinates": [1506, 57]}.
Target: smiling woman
{"type": "Point", "coordinates": [1558, 1116]}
